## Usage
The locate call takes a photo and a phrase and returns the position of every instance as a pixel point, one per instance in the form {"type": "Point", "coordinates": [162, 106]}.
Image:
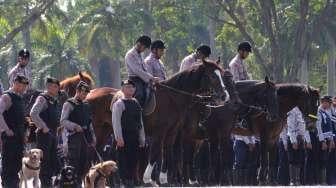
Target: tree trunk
{"type": "Point", "coordinates": [331, 69]}
{"type": "Point", "coordinates": [212, 29]}
{"type": "Point", "coordinates": [304, 70]}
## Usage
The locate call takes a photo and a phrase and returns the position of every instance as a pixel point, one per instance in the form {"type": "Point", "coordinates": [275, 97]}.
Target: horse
{"type": "Point", "coordinates": [306, 98]}
{"type": "Point", "coordinates": [258, 97]}
{"type": "Point", "coordinates": [69, 84]}
{"type": "Point", "coordinates": [175, 96]}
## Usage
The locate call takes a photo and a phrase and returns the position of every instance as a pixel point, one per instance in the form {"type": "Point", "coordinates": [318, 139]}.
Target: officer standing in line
{"type": "Point", "coordinates": [12, 128]}
{"type": "Point", "coordinates": [45, 115]}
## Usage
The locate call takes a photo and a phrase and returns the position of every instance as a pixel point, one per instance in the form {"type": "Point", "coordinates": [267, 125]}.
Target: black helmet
{"type": "Point", "coordinates": [245, 46]}
{"type": "Point", "coordinates": [326, 98]}
{"type": "Point", "coordinates": [204, 49]}
{"type": "Point", "coordinates": [24, 53]}
{"type": "Point", "coordinates": [144, 40]}
{"type": "Point", "coordinates": [158, 44]}
{"type": "Point", "coordinates": [51, 80]}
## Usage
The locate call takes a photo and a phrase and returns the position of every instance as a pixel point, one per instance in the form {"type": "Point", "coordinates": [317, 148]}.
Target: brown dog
{"type": "Point", "coordinates": [31, 167]}
{"type": "Point", "coordinates": [97, 175]}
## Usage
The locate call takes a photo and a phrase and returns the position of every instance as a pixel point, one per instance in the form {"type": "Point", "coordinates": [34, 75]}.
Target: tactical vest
{"type": "Point", "coordinates": [81, 113]}
{"type": "Point", "coordinates": [14, 116]}
{"type": "Point", "coordinates": [326, 122]}
{"type": "Point", "coordinates": [50, 115]}
{"type": "Point", "coordinates": [131, 116]}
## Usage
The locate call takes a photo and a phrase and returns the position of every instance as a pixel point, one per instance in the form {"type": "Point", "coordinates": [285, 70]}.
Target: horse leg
{"type": "Point", "coordinates": [214, 169]}
{"type": "Point", "coordinates": [154, 155]}
{"type": "Point", "coordinates": [263, 161]}
{"type": "Point", "coordinates": [273, 163]}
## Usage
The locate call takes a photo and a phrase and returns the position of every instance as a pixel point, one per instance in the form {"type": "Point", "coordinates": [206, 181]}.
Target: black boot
{"type": "Point", "coordinates": [323, 176]}
{"type": "Point", "coordinates": [246, 178]}
{"type": "Point", "coordinates": [237, 175]}
{"type": "Point", "coordinates": [297, 176]}
{"type": "Point", "coordinates": [292, 175]}
{"type": "Point", "coordinates": [272, 176]}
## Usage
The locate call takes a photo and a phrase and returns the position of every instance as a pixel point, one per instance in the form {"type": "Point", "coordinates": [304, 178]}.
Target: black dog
{"type": "Point", "coordinates": [67, 178]}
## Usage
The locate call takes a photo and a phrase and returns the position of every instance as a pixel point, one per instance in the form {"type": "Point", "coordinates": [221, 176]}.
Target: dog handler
{"type": "Point", "coordinates": [45, 114]}
{"type": "Point", "coordinates": [12, 128]}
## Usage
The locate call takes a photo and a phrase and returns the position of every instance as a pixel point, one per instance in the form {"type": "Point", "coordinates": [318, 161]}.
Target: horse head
{"type": "Point", "coordinates": [212, 81]}
{"type": "Point", "coordinates": [85, 77]}
{"type": "Point", "coordinates": [309, 102]}
{"type": "Point", "coordinates": [204, 79]}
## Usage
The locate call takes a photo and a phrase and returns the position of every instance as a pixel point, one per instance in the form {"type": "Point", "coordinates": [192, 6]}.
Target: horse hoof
{"type": "Point", "coordinates": [165, 185]}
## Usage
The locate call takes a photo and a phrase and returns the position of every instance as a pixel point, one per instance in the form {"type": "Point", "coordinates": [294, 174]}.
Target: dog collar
{"type": "Point", "coordinates": [31, 167]}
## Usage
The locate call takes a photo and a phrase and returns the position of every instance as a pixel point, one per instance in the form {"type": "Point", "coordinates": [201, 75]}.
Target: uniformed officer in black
{"type": "Point", "coordinates": [128, 132]}
{"type": "Point", "coordinates": [45, 114]}
{"type": "Point", "coordinates": [12, 127]}
{"type": "Point", "coordinates": [76, 118]}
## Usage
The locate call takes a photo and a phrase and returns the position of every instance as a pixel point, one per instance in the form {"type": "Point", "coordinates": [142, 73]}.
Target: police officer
{"type": "Point", "coordinates": [242, 147]}
{"type": "Point", "coordinates": [296, 129]}
{"type": "Point", "coordinates": [45, 115]}
{"type": "Point", "coordinates": [202, 52]}
{"type": "Point", "coordinates": [331, 167]}
{"type": "Point", "coordinates": [76, 118]}
{"type": "Point", "coordinates": [137, 70]}
{"type": "Point", "coordinates": [21, 68]}
{"type": "Point", "coordinates": [128, 132]}
{"type": "Point", "coordinates": [311, 168]}
{"type": "Point", "coordinates": [12, 128]}
{"type": "Point", "coordinates": [237, 66]}
{"type": "Point", "coordinates": [325, 136]}
{"type": "Point", "coordinates": [153, 62]}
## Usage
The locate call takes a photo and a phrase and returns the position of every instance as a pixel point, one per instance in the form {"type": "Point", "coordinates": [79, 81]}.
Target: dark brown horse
{"type": "Point", "coordinates": [259, 98]}
{"type": "Point", "coordinates": [306, 99]}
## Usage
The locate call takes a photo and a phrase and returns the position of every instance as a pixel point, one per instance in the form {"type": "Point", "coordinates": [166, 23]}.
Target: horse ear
{"type": "Point", "coordinates": [267, 79]}
{"type": "Point", "coordinates": [80, 74]}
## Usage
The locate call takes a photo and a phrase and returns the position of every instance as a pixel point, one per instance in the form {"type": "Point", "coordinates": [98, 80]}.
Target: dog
{"type": "Point", "coordinates": [31, 165]}
{"type": "Point", "coordinates": [98, 174]}
{"type": "Point", "coordinates": [67, 178]}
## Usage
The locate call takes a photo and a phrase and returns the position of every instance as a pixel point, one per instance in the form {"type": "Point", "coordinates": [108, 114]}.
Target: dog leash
{"type": "Point", "coordinates": [94, 148]}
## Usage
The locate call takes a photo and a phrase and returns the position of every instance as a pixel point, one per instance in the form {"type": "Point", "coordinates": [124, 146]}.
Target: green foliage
{"type": "Point", "coordinates": [75, 35]}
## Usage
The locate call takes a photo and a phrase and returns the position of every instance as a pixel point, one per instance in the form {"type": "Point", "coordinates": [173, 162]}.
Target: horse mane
{"type": "Point", "coordinates": [74, 79]}
{"type": "Point", "coordinates": [289, 88]}
{"type": "Point", "coordinates": [187, 78]}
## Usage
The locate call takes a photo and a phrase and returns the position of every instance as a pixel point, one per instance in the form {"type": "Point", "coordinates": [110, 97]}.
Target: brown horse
{"type": "Point", "coordinates": [173, 98]}
{"type": "Point", "coordinates": [172, 106]}
{"type": "Point", "coordinates": [69, 84]}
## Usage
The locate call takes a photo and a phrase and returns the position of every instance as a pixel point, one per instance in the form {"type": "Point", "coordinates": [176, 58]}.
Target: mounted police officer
{"type": "Point", "coordinates": [297, 140]}
{"type": "Point", "coordinates": [21, 68]}
{"type": "Point", "coordinates": [76, 118]}
{"type": "Point", "coordinates": [45, 114]}
{"type": "Point", "coordinates": [325, 135]}
{"type": "Point", "coordinates": [12, 127]}
{"type": "Point", "coordinates": [237, 66]}
{"type": "Point", "coordinates": [202, 52]}
{"type": "Point", "coordinates": [154, 65]}
{"type": "Point", "coordinates": [137, 70]}
{"type": "Point", "coordinates": [244, 146]}
{"type": "Point", "coordinates": [128, 132]}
